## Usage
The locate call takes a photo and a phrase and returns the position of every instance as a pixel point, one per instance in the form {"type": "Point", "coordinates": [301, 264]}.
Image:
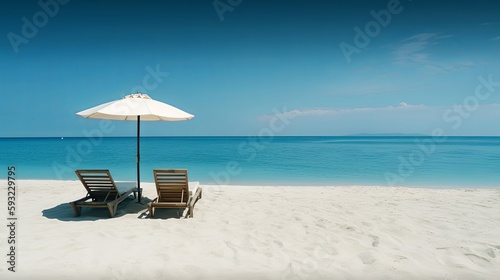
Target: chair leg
{"type": "Point", "coordinates": [112, 207]}
{"type": "Point", "coordinates": [77, 211]}
{"type": "Point", "coordinates": [191, 210]}
{"type": "Point", "coordinates": [151, 211]}
{"type": "Point", "coordinates": [193, 201]}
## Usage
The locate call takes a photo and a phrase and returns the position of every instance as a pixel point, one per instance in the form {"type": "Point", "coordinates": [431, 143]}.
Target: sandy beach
{"type": "Point", "coordinates": [249, 232]}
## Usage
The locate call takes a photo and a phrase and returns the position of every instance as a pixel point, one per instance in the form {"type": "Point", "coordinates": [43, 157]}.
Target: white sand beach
{"type": "Point", "coordinates": [243, 232]}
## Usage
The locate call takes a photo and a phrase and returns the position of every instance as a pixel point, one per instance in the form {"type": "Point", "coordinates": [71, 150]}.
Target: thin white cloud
{"type": "Point", "coordinates": [366, 89]}
{"type": "Point", "coordinates": [417, 51]}
{"type": "Point", "coordinates": [457, 66]}
{"type": "Point", "coordinates": [402, 107]}
{"type": "Point", "coordinates": [338, 111]}
{"type": "Point", "coordinates": [451, 67]}
{"type": "Point", "coordinates": [496, 38]}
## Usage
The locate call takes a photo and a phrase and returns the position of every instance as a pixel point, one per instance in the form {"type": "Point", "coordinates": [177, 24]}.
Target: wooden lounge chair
{"type": "Point", "coordinates": [173, 191]}
{"type": "Point", "coordinates": [102, 191]}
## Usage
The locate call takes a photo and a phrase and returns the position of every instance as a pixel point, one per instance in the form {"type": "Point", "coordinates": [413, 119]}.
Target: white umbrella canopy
{"type": "Point", "coordinates": [136, 107]}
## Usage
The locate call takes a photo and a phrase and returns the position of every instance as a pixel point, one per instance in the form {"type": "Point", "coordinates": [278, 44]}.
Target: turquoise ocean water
{"type": "Point", "coordinates": [360, 160]}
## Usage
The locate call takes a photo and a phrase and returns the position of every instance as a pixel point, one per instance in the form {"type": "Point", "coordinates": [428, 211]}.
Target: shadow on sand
{"type": "Point", "coordinates": [170, 213]}
{"type": "Point", "coordinates": [63, 212]}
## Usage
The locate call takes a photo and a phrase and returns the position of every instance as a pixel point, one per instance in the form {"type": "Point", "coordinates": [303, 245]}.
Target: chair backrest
{"type": "Point", "coordinates": [172, 185]}
{"type": "Point", "coordinates": [99, 183]}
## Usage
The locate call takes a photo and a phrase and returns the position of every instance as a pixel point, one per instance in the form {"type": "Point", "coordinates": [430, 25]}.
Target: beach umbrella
{"type": "Point", "coordinates": [136, 107]}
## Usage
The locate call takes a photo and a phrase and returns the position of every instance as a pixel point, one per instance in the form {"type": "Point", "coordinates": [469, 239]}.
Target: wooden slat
{"type": "Point", "coordinates": [101, 191]}
{"type": "Point", "coordinates": [172, 185]}
{"type": "Point", "coordinates": [99, 183]}
{"type": "Point", "coordinates": [173, 191]}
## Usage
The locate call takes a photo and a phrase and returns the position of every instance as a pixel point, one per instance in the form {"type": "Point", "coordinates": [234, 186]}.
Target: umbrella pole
{"type": "Point", "coordinates": [139, 158]}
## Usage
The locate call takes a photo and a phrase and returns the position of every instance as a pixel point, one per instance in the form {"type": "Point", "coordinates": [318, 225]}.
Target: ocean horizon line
{"type": "Point", "coordinates": [274, 136]}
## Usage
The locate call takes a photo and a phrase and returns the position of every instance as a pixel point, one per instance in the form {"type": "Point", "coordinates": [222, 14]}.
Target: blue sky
{"type": "Point", "coordinates": [254, 67]}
